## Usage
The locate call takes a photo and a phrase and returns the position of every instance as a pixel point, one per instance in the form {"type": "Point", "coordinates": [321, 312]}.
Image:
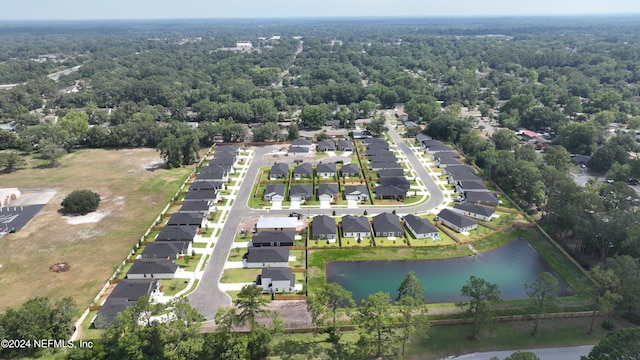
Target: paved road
{"type": "Point", "coordinates": [208, 297]}
{"type": "Point", "coordinates": [563, 353]}
{"type": "Point", "coordinates": [54, 76]}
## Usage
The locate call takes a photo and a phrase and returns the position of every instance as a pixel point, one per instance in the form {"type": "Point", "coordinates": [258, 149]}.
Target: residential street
{"type": "Point", "coordinates": [208, 297]}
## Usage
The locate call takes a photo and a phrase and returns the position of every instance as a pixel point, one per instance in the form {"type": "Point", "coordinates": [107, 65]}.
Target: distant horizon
{"type": "Point", "coordinates": [294, 18]}
{"type": "Point", "coordinates": [78, 10]}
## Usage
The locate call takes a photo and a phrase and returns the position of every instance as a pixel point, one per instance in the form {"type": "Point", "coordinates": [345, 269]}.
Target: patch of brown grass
{"type": "Point", "coordinates": [131, 196]}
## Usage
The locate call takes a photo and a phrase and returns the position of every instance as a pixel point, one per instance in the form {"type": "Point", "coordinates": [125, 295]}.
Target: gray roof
{"type": "Point", "coordinates": [420, 225]}
{"type": "Point", "coordinates": [200, 195]}
{"type": "Point", "coordinates": [213, 169]}
{"type": "Point", "coordinates": [134, 289]}
{"type": "Point", "coordinates": [449, 161]}
{"type": "Point", "coordinates": [322, 225]}
{"type": "Point", "coordinates": [298, 150]}
{"type": "Point", "coordinates": [301, 190]}
{"type": "Point", "coordinates": [481, 197]}
{"type": "Point", "coordinates": [206, 185]}
{"type": "Point", "coordinates": [301, 142]}
{"type": "Point", "coordinates": [350, 189]}
{"type": "Point", "coordinates": [476, 209]}
{"type": "Point", "coordinates": [350, 169]}
{"type": "Point", "coordinates": [328, 189]}
{"type": "Point", "coordinates": [374, 152]}
{"type": "Point", "coordinates": [387, 222]}
{"type": "Point", "coordinates": [398, 181]}
{"type": "Point", "coordinates": [375, 141]}
{"type": "Point", "coordinates": [228, 148]}
{"type": "Point", "coordinates": [446, 154]}
{"type": "Point", "coordinates": [268, 254]}
{"type": "Point", "coordinates": [383, 158]}
{"type": "Point", "coordinates": [438, 148]}
{"type": "Point", "coordinates": [342, 144]}
{"type": "Point", "coordinates": [391, 173]}
{"type": "Point", "coordinates": [277, 274]}
{"type": "Point", "coordinates": [352, 223]}
{"type": "Point", "coordinates": [303, 170]}
{"type": "Point", "coordinates": [178, 233]}
{"type": "Point", "coordinates": [471, 184]}
{"type": "Point", "coordinates": [274, 189]}
{"type": "Point", "coordinates": [390, 190]}
{"type": "Point", "coordinates": [455, 219]}
{"type": "Point", "coordinates": [164, 249]}
{"type": "Point", "coordinates": [125, 294]}
{"type": "Point", "coordinates": [144, 266]}
{"type": "Point", "coordinates": [327, 145]}
{"type": "Point", "coordinates": [375, 165]}
{"type": "Point", "coordinates": [268, 237]}
{"type": "Point", "coordinates": [222, 161]}
{"type": "Point", "coordinates": [279, 169]}
{"type": "Point", "coordinates": [195, 206]}
{"type": "Point", "coordinates": [326, 168]}
{"type": "Point", "coordinates": [432, 142]}
{"type": "Point", "coordinates": [465, 176]}
{"type": "Point", "coordinates": [185, 219]}
{"type": "Point", "coordinates": [422, 137]}
{"type": "Point", "coordinates": [459, 169]}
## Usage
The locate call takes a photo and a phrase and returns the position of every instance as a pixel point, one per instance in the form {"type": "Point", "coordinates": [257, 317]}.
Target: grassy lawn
{"type": "Point", "coordinates": [206, 232]}
{"type": "Point", "coordinates": [236, 254]}
{"type": "Point", "coordinates": [365, 242]}
{"type": "Point", "coordinates": [384, 241]}
{"type": "Point", "coordinates": [214, 216]}
{"type": "Point", "coordinates": [123, 273]}
{"type": "Point", "coordinates": [188, 263]}
{"type": "Point", "coordinates": [324, 243]}
{"type": "Point", "coordinates": [132, 198]}
{"type": "Point", "coordinates": [173, 286]}
{"type": "Point", "coordinates": [412, 200]}
{"type": "Point", "coordinates": [239, 275]}
{"type": "Point", "coordinates": [300, 259]}
{"type": "Point", "coordinates": [199, 245]}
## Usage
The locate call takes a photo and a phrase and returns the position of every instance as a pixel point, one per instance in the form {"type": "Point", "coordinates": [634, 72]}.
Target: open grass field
{"type": "Point", "coordinates": [132, 197]}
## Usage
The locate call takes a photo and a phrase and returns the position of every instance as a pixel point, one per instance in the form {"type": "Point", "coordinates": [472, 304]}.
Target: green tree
{"type": "Point", "coordinates": [627, 270]}
{"type": "Point", "coordinates": [377, 127]}
{"type": "Point", "coordinates": [621, 344]}
{"type": "Point", "coordinates": [50, 151]}
{"type": "Point", "coordinates": [37, 318]}
{"type": "Point", "coordinates": [412, 308]}
{"type": "Point", "coordinates": [375, 320]}
{"type": "Point", "coordinates": [171, 151]}
{"type": "Point", "coordinates": [293, 132]}
{"type": "Point", "coordinates": [266, 132]}
{"type": "Point", "coordinates": [12, 160]}
{"type": "Point", "coordinates": [482, 294]}
{"type": "Point", "coordinates": [543, 293]}
{"type": "Point", "coordinates": [314, 116]}
{"type": "Point", "coordinates": [250, 302]}
{"type": "Point", "coordinates": [504, 139]}
{"type": "Point", "coordinates": [603, 296]}
{"type": "Point", "coordinates": [80, 202]}
{"type": "Point", "coordinates": [522, 355]}
{"type": "Point", "coordinates": [558, 157]}
{"type": "Point", "coordinates": [76, 124]}
{"type": "Point", "coordinates": [324, 306]}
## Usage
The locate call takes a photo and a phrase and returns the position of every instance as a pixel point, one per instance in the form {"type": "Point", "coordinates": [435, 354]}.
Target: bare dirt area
{"type": "Point", "coordinates": [133, 193]}
{"type": "Point", "coordinates": [293, 313]}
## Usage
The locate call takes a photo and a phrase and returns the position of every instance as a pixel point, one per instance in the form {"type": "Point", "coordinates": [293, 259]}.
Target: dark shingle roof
{"type": "Point", "coordinates": [391, 173]}
{"type": "Point", "coordinates": [195, 206]}
{"type": "Point", "coordinates": [268, 254]}
{"type": "Point", "coordinates": [134, 289]}
{"type": "Point", "coordinates": [301, 142]}
{"type": "Point", "coordinates": [279, 169]}
{"type": "Point", "coordinates": [449, 161]}
{"type": "Point", "coordinates": [269, 237]}
{"type": "Point", "coordinates": [330, 145]}
{"type": "Point", "coordinates": [164, 249]}
{"type": "Point", "coordinates": [185, 219]}
{"type": "Point", "coordinates": [348, 189]}
{"type": "Point", "coordinates": [301, 190]}
{"type": "Point", "coordinates": [456, 219]}
{"type": "Point", "coordinates": [350, 169]}
{"type": "Point", "coordinates": [352, 223]}
{"type": "Point", "coordinates": [206, 185]}
{"type": "Point", "coordinates": [200, 195]}
{"type": "Point", "coordinates": [397, 181]}
{"type": "Point", "coordinates": [328, 189]}
{"type": "Point", "coordinates": [276, 189]}
{"type": "Point", "coordinates": [420, 225]}
{"type": "Point", "coordinates": [472, 185]}
{"type": "Point", "coordinates": [465, 176]}
{"type": "Point", "coordinates": [326, 168]}
{"type": "Point", "coordinates": [481, 197]}
{"type": "Point", "coordinates": [446, 154]}
{"type": "Point", "coordinates": [476, 209]}
{"type": "Point", "coordinates": [178, 233]}
{"type": "Point", "coordinates": [144, 266]}
{"type": "Point", "coordinates": [390, 190]}
{"type": "Point", "coordinates": [343, 144]}
{"type": "Point", "coordinates": [459, 169]}
{"type": "Point", "coordinates": [278, 274]}
{"type": "Point", "coordinates": [322, 225]}
{"type": "Point", "coordinates": [303, 170]}
{"type": "Point", "coordinates": [387, 222]}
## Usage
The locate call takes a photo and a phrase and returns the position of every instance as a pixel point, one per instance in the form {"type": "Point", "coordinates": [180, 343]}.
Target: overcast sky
{"type": "Point", "coordinates": [184, 9]}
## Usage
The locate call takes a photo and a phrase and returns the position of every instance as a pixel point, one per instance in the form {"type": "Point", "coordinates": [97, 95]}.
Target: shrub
{"type": "Point", "coordinates": [607, 325]}
{"type": "Point", "coordinates": [80, 202]}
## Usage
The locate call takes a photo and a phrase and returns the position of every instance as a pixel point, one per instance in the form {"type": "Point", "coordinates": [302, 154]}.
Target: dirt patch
{"type": "Point", "coordinates": [59, 267]}
{"type": "Point", "coordinates": [93, 217]}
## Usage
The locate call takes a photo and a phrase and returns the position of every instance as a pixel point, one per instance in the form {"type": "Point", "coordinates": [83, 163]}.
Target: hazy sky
{"type": "Point", "coordinates": [179, 9]}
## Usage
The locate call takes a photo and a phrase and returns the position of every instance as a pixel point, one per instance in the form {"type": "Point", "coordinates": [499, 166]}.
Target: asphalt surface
{"type": "Point", "coordinates": [17, 216]}
{"type": "Point", "coordinates": [207, 297]}
{"type": "Point", "coordinates": [562, 353]}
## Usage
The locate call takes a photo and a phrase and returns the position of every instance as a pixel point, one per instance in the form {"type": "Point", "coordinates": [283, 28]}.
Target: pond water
{"type": "Point", "coordinates": [510, 266]}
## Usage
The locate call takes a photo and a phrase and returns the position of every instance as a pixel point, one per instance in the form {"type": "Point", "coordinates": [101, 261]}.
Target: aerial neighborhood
{"type": "Point", "coordinates": [346, 189]}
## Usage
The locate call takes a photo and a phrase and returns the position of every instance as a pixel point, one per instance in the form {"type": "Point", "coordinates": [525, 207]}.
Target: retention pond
{"type": "Point", "coordinates": [510, 266]}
